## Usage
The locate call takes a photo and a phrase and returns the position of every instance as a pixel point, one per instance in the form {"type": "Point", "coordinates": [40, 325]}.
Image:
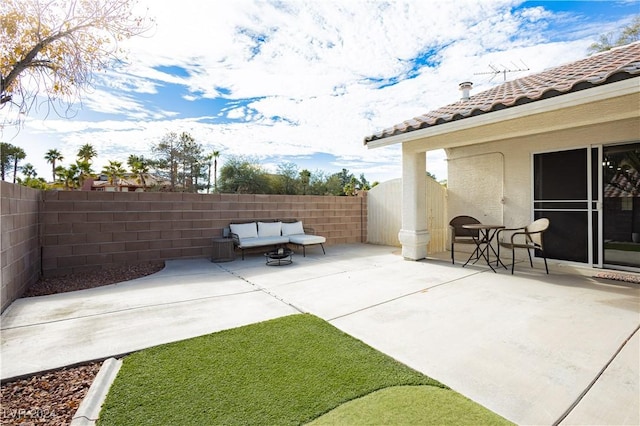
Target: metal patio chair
{"type": "Point", "coordinates": [527, 237]}
{"type": "Point", "coordinates": [459, 235]}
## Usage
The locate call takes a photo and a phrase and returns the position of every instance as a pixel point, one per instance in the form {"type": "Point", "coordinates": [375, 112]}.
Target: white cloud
{"type": "Point", "coordinates": [313, 70]}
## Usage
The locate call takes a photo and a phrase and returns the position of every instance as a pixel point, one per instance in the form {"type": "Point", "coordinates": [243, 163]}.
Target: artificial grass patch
{"type": "Point", "coordinates": [285, 371]}
{"type": "Point", "coordinates": [411, 405]}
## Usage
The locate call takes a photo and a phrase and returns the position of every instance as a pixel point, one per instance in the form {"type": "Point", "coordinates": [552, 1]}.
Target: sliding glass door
{"type": "Point", "coordinates": [621, 207]}
{"type": "Point", "coordinates": [592, 199]}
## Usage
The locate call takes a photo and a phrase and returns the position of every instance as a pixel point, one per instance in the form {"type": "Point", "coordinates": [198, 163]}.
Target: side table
{"type": "Point", "coordinates": [486, 234]}
{"type": "Point", "coordinates": [223, 250]}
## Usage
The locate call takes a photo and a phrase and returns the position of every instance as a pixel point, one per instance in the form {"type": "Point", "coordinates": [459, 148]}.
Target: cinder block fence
{"type": "Point", "coordinates": [20, 242]}
{"type": "Point", "coordinates": [60, 232]}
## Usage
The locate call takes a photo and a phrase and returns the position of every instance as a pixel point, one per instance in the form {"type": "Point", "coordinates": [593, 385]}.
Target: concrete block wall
{"type": "Point", "coordinates": [20, 242]}
{"type": "Point", "coordinates": [90, 230]}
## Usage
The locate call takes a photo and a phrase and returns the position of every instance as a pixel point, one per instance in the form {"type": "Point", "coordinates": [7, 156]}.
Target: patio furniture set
{"type": "Point", "coordinates": [273, 233]}
{"type": "Point", "coordinates": [469, 230]}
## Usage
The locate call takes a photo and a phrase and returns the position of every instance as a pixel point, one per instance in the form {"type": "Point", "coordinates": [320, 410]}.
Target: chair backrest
{"type": "Point", "coordinates": [538, 226]}
{"type": "Point", "coordinates": [458, 231]}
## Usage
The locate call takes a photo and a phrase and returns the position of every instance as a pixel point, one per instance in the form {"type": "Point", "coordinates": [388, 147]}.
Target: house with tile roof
{"type": "Point", "coordinates": [562, 144]}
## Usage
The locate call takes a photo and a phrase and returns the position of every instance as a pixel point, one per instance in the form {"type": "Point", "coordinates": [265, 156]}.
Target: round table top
{"type": "Point", "coordinates": [482, 226]}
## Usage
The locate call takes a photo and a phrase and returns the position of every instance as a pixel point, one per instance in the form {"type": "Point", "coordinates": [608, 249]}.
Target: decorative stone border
{"type": "Point", "coordinates": [90, 406]}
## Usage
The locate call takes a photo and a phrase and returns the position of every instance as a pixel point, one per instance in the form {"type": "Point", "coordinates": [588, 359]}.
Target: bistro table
{"type": "Point", "coordinates": [486, 234]}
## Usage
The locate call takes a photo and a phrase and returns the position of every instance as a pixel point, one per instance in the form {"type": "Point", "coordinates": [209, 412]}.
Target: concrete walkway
{"type": "Point", "coordinates": [535, 349]}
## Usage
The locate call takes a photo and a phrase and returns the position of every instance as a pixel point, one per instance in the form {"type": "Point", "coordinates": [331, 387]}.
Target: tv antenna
{"type": "Point", "coordinates": [495, 70]}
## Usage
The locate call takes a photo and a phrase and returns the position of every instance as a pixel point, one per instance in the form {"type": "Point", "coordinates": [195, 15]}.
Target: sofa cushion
{"type": "Point", "coordinates": [306, 239]}
{"type": "Point", "coordinates": [269, 229]}
{"type": "Point", "coordinates": [292, 228]}
{"type": "Point", "coordinates": [244, 230]}
{"type": "Point", "coordinates": [263, 241]}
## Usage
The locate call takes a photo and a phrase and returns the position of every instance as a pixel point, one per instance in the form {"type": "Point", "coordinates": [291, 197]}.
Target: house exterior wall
{"type": "Point", "coordinates": [20, 244]}
{"type": "Point", "coordinates": [477, 173]}
{"type": "Point", "coordinates": [385, 214]}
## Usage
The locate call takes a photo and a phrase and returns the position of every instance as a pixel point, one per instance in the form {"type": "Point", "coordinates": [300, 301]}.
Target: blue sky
{"type": "Point", "coordinates": [306, 81]}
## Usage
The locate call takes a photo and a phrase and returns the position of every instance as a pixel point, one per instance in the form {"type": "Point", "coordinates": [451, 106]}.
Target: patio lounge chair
{"type": "Point", "coordinates": [528, 237]}
{"type": "Point", "coordinates": [459, 235]}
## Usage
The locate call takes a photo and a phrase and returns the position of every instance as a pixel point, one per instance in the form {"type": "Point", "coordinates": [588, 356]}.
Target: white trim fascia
{"type": "Point", "coordinates": [600, 93]}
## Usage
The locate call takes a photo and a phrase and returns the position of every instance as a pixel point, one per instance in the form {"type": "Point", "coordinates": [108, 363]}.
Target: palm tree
{"type": "Point", "coordinates": [29, 171]}
{"type": "Point", "coordinates": [138, 166]}
{"type": "Point", "coordinates": [68, 176]}
{"type": "Point", "coordinates": [84, 171]}
{"type": "Point", "coordinates": [114, 170]}
{"type": "Point", "coordinates": [87, 152]}
{"type": "Point", "coordinates": [52, 156]}
{"type": "Point", "coordinates": [17, 155]}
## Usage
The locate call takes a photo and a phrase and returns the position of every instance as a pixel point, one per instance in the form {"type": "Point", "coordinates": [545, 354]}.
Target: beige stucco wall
{"type": "Point", "coordinates": [490, 155]}
{"type": "Point", "coordinates": [481, 176]}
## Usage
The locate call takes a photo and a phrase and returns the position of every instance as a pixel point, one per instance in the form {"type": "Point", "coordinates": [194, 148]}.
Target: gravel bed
{"type": "Point", "coordinates": [49, 398]}
{"type": "Point", "coordinates": [92, 279]}
{"type": "Point", "coordinates": [52, 398]}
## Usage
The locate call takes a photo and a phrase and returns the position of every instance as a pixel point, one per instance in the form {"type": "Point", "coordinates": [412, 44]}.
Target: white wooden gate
{"type": "Point", "coordinates": [384, 218]}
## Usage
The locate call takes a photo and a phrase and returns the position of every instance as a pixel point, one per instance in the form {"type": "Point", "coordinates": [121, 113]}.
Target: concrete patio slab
{"type": "Point", "coordinates": [534, 348]}
{"type": "Point", "coordinates": [523, 346]}
{"type": "Point", "coordinates": [616, 387]}
{"type": "Point", "coordinates": [47, 332]}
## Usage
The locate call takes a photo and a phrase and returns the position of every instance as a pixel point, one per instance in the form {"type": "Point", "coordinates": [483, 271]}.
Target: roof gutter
{"type": "Point", "coordinates": [568, 100]}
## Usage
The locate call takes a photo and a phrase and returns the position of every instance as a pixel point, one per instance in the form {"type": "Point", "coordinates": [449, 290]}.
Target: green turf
{"type": "Point", "coordinates": [411, 405]}
{"type": "Point", "coordinates": [284, 371]}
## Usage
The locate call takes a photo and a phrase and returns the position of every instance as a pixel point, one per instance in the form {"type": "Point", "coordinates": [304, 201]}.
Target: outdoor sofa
{"type": "Point", "coordinates": [265, 233]}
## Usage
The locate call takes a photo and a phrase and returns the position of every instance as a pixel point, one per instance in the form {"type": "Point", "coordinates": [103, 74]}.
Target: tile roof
{"type": "Point", "coordinates": [603, 68]}
{"type": "Point", "coordinates": [624, 184]}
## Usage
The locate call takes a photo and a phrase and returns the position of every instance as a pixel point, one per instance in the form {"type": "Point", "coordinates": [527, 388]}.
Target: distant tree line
{"type": "Point", "coordinates": [245, 175]}
{"type": "Point", "coordinates": [628, 34]}
{"type": "Point", "coordinates": [186, 166]}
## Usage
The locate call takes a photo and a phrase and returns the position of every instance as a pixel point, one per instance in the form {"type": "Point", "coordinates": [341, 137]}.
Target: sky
{"type": "Point", "coordinates": [306, 81]}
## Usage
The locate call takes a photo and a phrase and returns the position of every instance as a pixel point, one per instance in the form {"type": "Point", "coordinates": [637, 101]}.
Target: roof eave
{"type": "Point", "coordinates": [568, 100]}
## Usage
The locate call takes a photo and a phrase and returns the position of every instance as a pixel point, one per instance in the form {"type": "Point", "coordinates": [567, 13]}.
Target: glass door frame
{"type": "Point", "coordinates": [602, 263]}
{"type": "Point", "coordinates": [595, 251]}
{"type": "Point", "coordinates": [596, 206]}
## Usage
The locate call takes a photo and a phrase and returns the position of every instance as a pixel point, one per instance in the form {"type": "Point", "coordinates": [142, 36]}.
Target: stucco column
{"type": "Point", "coordinates": [414, 235]}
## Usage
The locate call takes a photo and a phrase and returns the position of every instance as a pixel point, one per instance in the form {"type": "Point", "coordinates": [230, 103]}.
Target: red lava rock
{"type": "Point", "coordinates": [49, 398]}
{"type": "Point", "coordinates": [72, 282]}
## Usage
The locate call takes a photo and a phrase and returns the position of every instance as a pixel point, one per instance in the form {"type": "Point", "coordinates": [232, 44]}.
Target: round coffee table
{"type": "Point", "coordinates": [279, 257]}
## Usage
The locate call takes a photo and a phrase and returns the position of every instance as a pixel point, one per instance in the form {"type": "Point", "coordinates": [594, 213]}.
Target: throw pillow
{"type": "Point", "coordinates": [269, 229]}
{"type": "Point", "coordinates": [244, 230]}
{"type": "Point", "coordinates": [294, 228]}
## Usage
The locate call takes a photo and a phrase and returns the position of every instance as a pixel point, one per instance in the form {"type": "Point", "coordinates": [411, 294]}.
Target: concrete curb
{"type": "Point", "coordinates": [89, 408]}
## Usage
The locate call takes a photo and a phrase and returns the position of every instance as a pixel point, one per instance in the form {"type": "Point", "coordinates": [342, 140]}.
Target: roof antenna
{"type": "Point", "coordinates": [495, 70]}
